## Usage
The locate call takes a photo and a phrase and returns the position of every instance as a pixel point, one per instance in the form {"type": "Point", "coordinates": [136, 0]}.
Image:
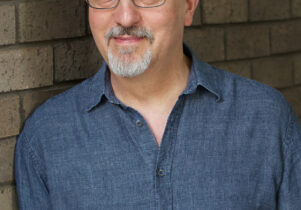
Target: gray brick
{"type": "Point", "coordinates": [7, 148]}
{"type": "Point", "coordinates": [241, 68]}
{"type": "Point", "coordinates": [10, 116]}
{"type": "Point", "coordinates": [76, 60]}
{"type": "Point", "coordinates": [7, 23]}
{"type": "Point", "coordinates": [25, 68]}
{"type": "Point", "coordinates": [43, 20]}
{"type": "Point", "coordinates": [296, 8]}
{"type": "Point", "coordinates": [247, 41]}
{"type": "Point", "coordinates": [286, 37]}
{"type": "Point", "coordinates": [269, 9]}
{"type": "Point", "coordinates": [8, 198]}
{"type": "Point", "coordinates": [297, 69]}
{"type": "Point", "coordinates": [208, 43]}
{"type": "Point", "coordinates": [276, 72]}
{"type": "Point", "coordinates": [225, 11]}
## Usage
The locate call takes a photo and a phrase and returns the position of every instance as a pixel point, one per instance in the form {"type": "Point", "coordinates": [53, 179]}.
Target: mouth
{"type": "Point", "coordinates": [126, 39]}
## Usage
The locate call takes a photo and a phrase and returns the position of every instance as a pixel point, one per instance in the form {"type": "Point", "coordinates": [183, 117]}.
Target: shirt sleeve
{"type": "Point", "coordinates": [289, 194]}
{"type": "Point", "coordinates": [31, 188]}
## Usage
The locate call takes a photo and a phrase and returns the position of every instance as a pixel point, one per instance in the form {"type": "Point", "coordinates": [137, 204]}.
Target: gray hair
{"type": "Point", "coordinates": [140, 32]}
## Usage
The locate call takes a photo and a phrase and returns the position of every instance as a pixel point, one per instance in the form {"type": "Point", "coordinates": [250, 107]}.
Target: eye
{"type": "Point", "coordinates": [102, 3]}
{"type": "Point", "coordinates": [149, 3]}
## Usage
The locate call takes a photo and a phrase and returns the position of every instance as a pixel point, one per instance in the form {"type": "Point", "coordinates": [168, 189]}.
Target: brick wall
{"type": "Point", "coordinates": [46, 48]}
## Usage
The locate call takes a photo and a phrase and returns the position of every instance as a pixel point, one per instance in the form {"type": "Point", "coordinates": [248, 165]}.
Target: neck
{"type": "Point", "coordinates": [161, 83]}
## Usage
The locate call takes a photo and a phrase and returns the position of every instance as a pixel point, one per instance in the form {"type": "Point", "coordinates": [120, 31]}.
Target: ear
{"type": "Point", "coordinates": [190, 9]}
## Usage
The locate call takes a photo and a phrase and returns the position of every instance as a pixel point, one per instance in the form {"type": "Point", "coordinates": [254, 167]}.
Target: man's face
{"type": "Point", "coordinates": [131, 39]}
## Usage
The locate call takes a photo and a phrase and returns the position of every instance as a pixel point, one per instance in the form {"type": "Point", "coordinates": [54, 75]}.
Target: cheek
{"type": "Point", "coordinates": [99, 20]}
{"type": "Point", "coordinates": [161, 22]}
{"type": "Point", "coordinates": [168, 24]}
{"type": "Point", "coordinates": [98, 29]}
{"type": "Point", "coordinates": [94, 20]}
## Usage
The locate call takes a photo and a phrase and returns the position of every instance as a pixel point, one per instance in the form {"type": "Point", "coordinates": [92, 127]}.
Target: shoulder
{"type": "Point", "coordinates": [258, 109]}
{"type": "Point", "coordinates": [57, 111]}
{"type": "Point", "coordinates": [253, 94]}
{"type": "Point", "coordinates": [253, 103]}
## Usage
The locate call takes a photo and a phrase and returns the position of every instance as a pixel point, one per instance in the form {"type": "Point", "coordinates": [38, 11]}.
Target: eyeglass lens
{"type": "Point", "coordinates": [107, 4]}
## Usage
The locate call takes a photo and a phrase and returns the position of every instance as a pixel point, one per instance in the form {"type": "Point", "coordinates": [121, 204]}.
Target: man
{"type": "Point", "coordinates": [156, 128]}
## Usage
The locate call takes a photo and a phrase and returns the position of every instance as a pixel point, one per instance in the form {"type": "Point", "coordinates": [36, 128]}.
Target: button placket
{"type": "Point", "coordinates": [160, 172]}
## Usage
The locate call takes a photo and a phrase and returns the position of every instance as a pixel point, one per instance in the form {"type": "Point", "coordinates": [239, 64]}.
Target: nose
{"type": "Point", "coordinates": [127, 14]}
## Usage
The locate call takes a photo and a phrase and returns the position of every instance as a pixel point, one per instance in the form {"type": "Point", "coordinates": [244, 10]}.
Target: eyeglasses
{"type": "Point", "coordinates": [110, 4]}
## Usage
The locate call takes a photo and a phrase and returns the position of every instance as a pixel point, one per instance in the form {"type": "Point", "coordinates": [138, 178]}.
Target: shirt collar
{"type": "Point", "coordinates": [201, 74]}
{"type": "Point", "coordinates": [96, 88]}
{"type": "Point", "coordinates": [204, 75]}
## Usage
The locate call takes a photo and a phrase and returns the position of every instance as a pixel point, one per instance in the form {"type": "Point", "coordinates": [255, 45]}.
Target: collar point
{"type": "Point", "coordinates": [219, 99]}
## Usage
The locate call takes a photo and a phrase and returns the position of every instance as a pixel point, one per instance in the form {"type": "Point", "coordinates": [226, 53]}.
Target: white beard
{"type": "Point", "coordinates": [124, 66]}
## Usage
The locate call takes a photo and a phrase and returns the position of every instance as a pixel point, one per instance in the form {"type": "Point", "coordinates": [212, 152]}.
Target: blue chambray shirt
{"type": "Point", "coordinates": [229, 144]}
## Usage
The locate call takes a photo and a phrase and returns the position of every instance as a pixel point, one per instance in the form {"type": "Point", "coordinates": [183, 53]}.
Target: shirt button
{"type": "Point", "coordinates": [139, 123]}
{"type": "Point", "coordinates": [160, 172]}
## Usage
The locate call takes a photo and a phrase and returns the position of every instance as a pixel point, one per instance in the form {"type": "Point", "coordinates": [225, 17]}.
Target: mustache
{"type": "Point", "coordinates": [140, 32]}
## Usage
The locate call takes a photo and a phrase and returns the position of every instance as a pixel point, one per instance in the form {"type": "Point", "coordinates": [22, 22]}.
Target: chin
{"type": "Point", "coordinates": [129, 67]}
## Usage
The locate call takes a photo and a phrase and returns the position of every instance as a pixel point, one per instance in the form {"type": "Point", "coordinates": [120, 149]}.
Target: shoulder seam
{"type": "Point", "coordinates": [287, 141]}
{"type": "Point", "coordinates": [288, 132]}
{"type": "Point", "coordinates": [33, 156]}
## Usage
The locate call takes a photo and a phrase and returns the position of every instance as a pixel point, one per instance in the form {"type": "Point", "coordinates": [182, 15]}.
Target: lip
{"type": "Point", "coordinates": [127, 39]}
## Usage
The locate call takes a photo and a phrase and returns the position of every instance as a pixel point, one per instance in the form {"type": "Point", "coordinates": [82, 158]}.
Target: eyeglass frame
{"type": "Point", "coordinates": [87, 1]}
